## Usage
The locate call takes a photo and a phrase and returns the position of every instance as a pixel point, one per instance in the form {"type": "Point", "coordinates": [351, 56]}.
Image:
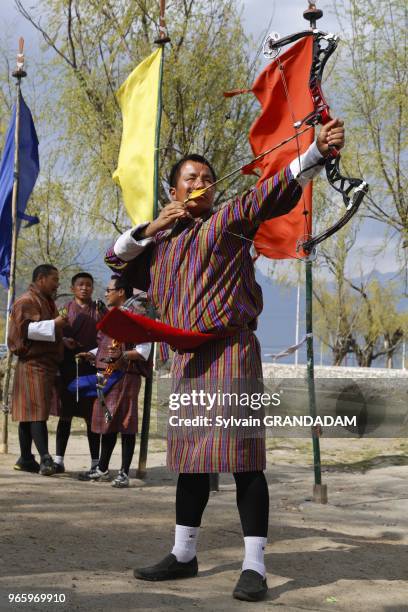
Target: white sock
{"type": "Point", "coordinates": [185, 543]}
{"type": "Point", "coordinates": [94, 463]}
{"type": "Point", "coordinates": [254, 554]}
{"type": "Point", "coordinates": [58, 459]}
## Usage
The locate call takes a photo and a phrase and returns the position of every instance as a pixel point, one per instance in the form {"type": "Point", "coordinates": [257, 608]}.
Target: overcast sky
{"type": "Point", "coordinates": [286, 16]}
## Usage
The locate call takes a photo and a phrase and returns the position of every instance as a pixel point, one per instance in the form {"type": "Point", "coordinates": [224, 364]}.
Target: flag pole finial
{"type": "Point", "coordinates": [19, 73]}
{"type": "Point", "coordinates": [312, 14]}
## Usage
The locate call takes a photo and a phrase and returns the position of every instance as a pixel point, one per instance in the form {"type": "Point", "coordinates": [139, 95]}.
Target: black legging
{"type": "Point", "coordinates": [33, 430]}
{"type": "Point", "coordinates": [63, 433]}
{"type": "Point", "coordinates": [108, 444]}
{"type": "Point", "coordinates": [128, 449]}
{"type": "Point", "coordinates": [193, 491]}
{"type": "Point", "coordinates": [62, 436]}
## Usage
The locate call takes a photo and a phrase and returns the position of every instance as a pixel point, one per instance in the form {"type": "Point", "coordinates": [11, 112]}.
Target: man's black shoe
{"type": "Point", "coordinates": [27, 465]}
{"type": "Point", "coordinates": [168, 569]}
{"type": "Point", "coordinates": [251, 586]}
{"type": "Point", "coordinates": [87, 475]}
{"type": "Point", "coordinates": [47, 466]}
{"type": "Point", "coordinates": [59, 468]}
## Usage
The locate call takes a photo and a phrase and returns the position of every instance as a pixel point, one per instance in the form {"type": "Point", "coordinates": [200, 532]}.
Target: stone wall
{"type": "Point", "coordinates": [275, 370]}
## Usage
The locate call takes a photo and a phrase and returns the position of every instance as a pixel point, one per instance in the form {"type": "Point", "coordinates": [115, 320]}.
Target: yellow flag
{"type": "Point", "coordinates": [138, 98]}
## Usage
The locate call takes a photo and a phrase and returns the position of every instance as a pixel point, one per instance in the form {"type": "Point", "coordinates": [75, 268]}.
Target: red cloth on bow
{"type": "Point", "coordinates": [277, 238]}
{"type": "Point", "coordinates": [126, 326]}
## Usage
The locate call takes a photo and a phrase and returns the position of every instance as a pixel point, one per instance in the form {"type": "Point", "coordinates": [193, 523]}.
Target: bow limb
{"type": "Point", "coordinates": [353, 207]}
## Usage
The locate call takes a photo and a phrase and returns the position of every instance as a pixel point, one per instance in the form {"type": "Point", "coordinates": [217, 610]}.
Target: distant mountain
{"type": "Point", "coordinates": [277, 323]}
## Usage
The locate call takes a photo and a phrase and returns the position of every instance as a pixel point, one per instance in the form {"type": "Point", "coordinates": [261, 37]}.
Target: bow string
{"type": "Point", "coordinates": [351, 189]}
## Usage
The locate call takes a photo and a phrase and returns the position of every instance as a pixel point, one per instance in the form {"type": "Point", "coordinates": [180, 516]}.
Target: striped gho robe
{"type": "Point", "coordinates": [122, 399]}
{"type": "Point", "coordinates": [34, 384]}
{"type": "Point", "coordinates": [81, 327]}
{"type": "Point", "coordinates": [202, 278]}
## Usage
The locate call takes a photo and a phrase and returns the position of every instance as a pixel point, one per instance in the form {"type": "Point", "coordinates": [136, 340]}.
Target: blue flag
{"type": "Point", "coordinates": [87, 384]}
{"type": "Point", "coordinates": [29, 167]}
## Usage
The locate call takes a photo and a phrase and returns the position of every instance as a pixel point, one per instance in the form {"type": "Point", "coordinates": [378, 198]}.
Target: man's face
{"type": "Point", "coordinates": [194, 175]}
{"type": "Point", "coordinates": [49, 284]}
{"type": "Point", "coordinates": [82, 289]}
{"type": "Point", "coordinates": [113, 296]}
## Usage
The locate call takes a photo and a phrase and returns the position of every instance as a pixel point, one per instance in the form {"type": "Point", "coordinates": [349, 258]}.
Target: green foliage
{"type": "Point", "coordinates": [359, 317]}
{"type": "Point", "coordinates": [97, 44]}
{"type": "Point", "coordinates": [368, 89]}
{"type": "Point", "coordinates": [372, 78]}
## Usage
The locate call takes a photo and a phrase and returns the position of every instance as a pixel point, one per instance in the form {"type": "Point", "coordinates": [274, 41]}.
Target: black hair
{"type": "Point", "coordinates": [120, 283]}
{"type": "Point", "coordinates": [43, 270]}
{"type": "Point", "coordinates": [175, 171]}
{"type": "Point", "coordinates": [81, 275]}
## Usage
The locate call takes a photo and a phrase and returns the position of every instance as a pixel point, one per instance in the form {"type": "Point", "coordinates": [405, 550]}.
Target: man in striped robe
{"type": "Point", "coordinates": [35, 337]}
{"type": "Point", "coordinates": [132, 362]}
{"type": "Point", "coordinates": [202, 278]}
{"type": "Point", "coordinates": [79, 335]}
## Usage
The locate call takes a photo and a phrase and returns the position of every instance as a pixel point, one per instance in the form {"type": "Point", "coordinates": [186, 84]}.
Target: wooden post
{"type": "Point", "coordinates": [214, 482]}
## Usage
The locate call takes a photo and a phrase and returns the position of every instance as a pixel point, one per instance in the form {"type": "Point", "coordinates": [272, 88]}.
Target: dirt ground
{"type": "Point", "coordinates": [62, 536]}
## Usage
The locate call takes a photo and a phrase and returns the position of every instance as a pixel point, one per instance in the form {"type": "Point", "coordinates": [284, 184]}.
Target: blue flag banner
{"type": "Point", "coordinates": [29, 167]}
{"type": "Point", "coordinates": [87, 384]}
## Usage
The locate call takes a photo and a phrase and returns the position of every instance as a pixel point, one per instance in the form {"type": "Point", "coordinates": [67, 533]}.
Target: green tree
{"type": "Point", "coordinates": [97, 44]}
{"type": "Point", "coordinates": [57, 239]}
{"type": "Point", "coordinates": [352, 316]}
{"type": "Point", "coordinates": [381, 327]}
{"type": "Point", "coordinates": [336, 308]}
{"type": "Point", "coordinates": [372, 86]}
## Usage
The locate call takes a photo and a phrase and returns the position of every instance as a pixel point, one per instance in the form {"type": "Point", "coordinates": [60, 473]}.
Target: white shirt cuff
{"type": "Point", "coordinates": [93, 351]}
{"type": "Point", "coordinates": [307, 160]}
{"type": "Point", "coordinates": [127, 248]}
{"type": "Point", "coordinates": [144, 349]}
{"type": "Point", "coordinates": [42, 330]}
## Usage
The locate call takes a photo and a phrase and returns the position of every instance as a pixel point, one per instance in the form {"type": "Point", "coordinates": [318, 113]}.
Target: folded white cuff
{"type": "Point", "coordinates": [127, 248]}
{"type": "Point", "coordinates": [44, 331]}
{"type": "Point", "coordinates": [144, 349]}
{"type": "Point", "coordinates": [309, 159]}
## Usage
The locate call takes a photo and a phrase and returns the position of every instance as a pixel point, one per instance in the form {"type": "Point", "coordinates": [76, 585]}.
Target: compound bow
{"type": "Point", "coordinates": [351, 189]}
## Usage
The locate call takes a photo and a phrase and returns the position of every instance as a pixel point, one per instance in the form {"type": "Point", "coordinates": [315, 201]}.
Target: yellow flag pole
{"type": "Point", "coordinates": [147, 400]}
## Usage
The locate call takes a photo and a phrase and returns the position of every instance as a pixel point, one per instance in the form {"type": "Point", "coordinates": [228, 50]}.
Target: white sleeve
{"type": "Point", "coordinates": [127, 248]}
{"type": "Point", "coordinates": [42, 330]}
{"type": "Point", "coordinates": [94, 351]}
{"type": "Point", "coordinates": [144, 349]}
{"type": "Point", "coordinates": [309, 159]}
